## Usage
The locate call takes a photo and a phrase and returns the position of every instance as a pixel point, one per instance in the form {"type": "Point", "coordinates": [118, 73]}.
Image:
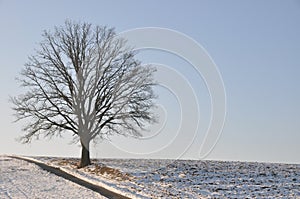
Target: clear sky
{"type": "Point", "coordinates": [255, 45]}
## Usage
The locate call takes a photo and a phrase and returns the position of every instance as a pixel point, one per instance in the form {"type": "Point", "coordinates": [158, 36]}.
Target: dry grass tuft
{"type": "Point", "coordinates": [105, 171]}
{"type": "Point", "coordinates": [96, 169]}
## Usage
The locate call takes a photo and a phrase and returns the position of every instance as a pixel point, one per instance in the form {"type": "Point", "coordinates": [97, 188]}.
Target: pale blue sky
{"type": "Point", "coordinates": [255, 44]}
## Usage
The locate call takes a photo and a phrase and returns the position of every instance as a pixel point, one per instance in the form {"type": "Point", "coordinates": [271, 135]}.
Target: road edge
{"type": "Point", "coordinates": [57, 171]}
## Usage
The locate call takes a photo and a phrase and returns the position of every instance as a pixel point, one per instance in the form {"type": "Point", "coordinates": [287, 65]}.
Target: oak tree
{"type": "Point", "coordinates": [85, 80]}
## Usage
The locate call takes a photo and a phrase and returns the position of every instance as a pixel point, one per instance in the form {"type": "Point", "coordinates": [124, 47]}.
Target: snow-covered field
{"type": "Point", "coordinates": [20, 179]}
{"type": "Point", "coordinates": [189, 179]}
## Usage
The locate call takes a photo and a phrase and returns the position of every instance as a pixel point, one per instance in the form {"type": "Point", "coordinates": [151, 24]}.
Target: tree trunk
{"type": "Point", "coordinates": [85, 155]}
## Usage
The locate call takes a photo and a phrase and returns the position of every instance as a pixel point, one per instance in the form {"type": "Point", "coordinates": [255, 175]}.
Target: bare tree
{"type": "Point", "coordinates": [83, 79]}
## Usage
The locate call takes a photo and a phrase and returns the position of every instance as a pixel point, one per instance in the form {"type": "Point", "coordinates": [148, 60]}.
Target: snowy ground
{"type": "Point", "coordinates": [189, 179]}
{"type": "Point", "coordinates": [20, 179]}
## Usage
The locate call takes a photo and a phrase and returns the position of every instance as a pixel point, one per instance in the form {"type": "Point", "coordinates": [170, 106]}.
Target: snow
{"type": "Point", "coordinates": [20, 179]}
{"type": "Point", "coordinates": [189, 179]}
{"type": "Point", "coordinates": [151, 179]}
